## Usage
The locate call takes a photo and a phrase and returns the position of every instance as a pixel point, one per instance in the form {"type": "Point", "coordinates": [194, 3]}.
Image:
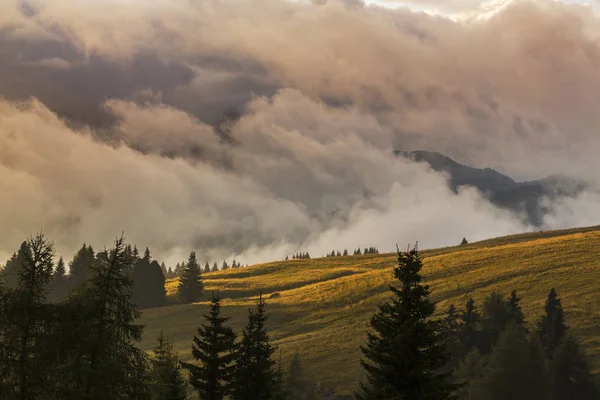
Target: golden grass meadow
{"type": "Point", "coordinates": [325, 304]}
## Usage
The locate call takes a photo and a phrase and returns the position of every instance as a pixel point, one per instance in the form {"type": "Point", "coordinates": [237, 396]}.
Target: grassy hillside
{"type": "Point", "coordinates": [326, 303]}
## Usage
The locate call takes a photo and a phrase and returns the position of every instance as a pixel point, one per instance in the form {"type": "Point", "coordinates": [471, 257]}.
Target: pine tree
{"type": "Point", "coordinates": [515, 370]}
{"type": "Point", "coordinates": [26, 330]}
{"type": "Point", "coordinates": [80, 268]}
{"type": "Point", "coordinates": [179, 267]}
{"type": "Point", "coordinates": [570, 375]}
{"type": "Point", "coordinates": [191, 285]}
{"type": "Point", "coordinates": [104, 361]}
{"type": "Point", "coordinates": [214, 268]}
{"type": "Point", "coordinates": [164, 269]}
{"type": "Point", "coordinates": [469, 372]}
{"type": "Point", "coordinates": [345, 252]}
{"type": "Point", "coordinates": [464, 242]}
{"type": "Point", "coordinates": [551, 328]}
{"type": "Point", "coordinates": [10, 273]}
{"type": "Point", "coordinates": [206, 267]}
{"type": "Point", "coordinates": [407, 350]}
{"type": "Point", "coordinates": [170, 273]}
{"type": "Point", "coordinates": [451, 324]}
{"type": "Point", "coordinates": [516, 313]}
{"type": "Point", "coordinates": [257, 376]}
{"type": "Point", "coordinates": [224, 266]}
{"type": "Point", "coordinates": [213, 349]}
{"type": "Point", "coordinates": [496, 315]}
{"type": "Point", "coordinates": [167, 381]}
{"type": "Point", "coordinates": [469, 333]}
{"type": "Point", "coordinates": [59, 283]}
{"type": "Point", "coordinates": [149, 282]}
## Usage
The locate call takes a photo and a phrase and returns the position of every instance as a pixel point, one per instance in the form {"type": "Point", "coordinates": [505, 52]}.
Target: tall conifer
{"type": "Point", "coordinates": [191, 285]}
{"type": "Point", "coordinates": [213, 350]}
{"type": "Point", "coordinates": [257, 374]}
{"type": "Point", "coordinates": [104, 359]}
{"type": "Point", "coordinates": [167, 382]}
{"type": "Point", "coordinates": [551, 328]}
{"type": "Point", "coordinates": [406, 351]}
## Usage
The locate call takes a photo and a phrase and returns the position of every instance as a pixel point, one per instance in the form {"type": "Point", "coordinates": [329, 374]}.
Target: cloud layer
{"type": "Point", "coordinates": [261, 127]}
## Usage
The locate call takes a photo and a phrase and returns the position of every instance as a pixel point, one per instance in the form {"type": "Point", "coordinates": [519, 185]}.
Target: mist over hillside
{"type": "Point", "coordinates": [247, 131]}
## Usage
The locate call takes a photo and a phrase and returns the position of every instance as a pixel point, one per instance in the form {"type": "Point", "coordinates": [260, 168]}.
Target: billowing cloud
{"type": "Point", "coordinates": [260, 127]}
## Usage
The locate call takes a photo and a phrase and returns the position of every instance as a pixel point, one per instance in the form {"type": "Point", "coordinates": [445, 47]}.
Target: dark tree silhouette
{"type": "Point", "coordinates": [515, 370]}
{"type": "Point", "coordinates": [149, 282]}
{"type": "Point", "coordinates": [191, 285]}
{"type": "Point", "coordinates": [25, 331]}
{"type": "Point", "coordinates": [551, 328]}
{"type": "Point", "coordinates": [213, 350]}
{"type": "Point", "coordinates": [406, 351]}
{"type": "Point", "coordinates": [104, 361]}
{"type": "Point", "coordinates": [469, 333]}
{"type": "Point", "coordinates": [80, 268]}
{"type": "Point", "coordinates": [570, 374]}
{"type": "Point", "coordinates": [59, 288]}
{"type": "Point", "coordinates": [167, 381]}
{"type": "Point", "coordinates": [10, 273]}
{"type": "Point", "coordinates": [257, 375]}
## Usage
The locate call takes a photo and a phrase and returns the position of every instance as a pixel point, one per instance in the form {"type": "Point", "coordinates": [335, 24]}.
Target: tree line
{"type": "Point", "coordinates": [147, 274]}
{"type": "Point", "coordinates": [468, 354]}
{"type": "Point", "coordinates": [334, 253]}
{"type": "Point", "coordinates": [85, 346]}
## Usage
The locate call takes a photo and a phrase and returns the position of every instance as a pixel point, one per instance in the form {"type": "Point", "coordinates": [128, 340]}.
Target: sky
{"type": "Point", "coordinates": [253, 132]}
{"type": "Point", "coordinates": [459, 8]}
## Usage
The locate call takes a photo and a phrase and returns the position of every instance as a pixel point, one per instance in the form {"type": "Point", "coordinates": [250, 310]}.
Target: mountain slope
{"type": "Point", "coordinates": [500, 189]}
{"type": "Point", "coordinates": [326, 303]}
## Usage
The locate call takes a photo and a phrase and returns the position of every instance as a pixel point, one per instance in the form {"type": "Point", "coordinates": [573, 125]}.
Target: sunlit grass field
{"type": "Point", "coordinates": [325, 303]}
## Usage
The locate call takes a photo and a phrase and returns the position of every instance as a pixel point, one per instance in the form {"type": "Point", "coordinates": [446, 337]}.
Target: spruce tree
{"type": "Point", "coordinates": [59, 283]}
{"type": "Point", "coordinates": [148, 282]}
{"type": "Point", "coordinates": [167, 381]}
{"type": "Point", "coordinates": [496, 315]}
{"type": "Point", "coordinates": [26, 344]}
{"type": "Point", "coordinates": [551, 328]}
{"type": "Point", "coordinates": [191, 285]}
{"type": "Point", "coordinates": [179, 269]}
{"type": "Point", "coordinates": [10, 273]}
{"type": "Point", "coordinates": [80, 268]}
{"type": "Point", "coordinates": [515, 370]}
{"type": "Point", "coordinates": [215, 267]}
{"type": "Point", "coordinates": [103, 358]}
{"type": "Point", "coordinates": [257, 376]}
{"type": "Point", "coordinates": [206, 267]}
{"type": "Point", "coordinates": [570, 374]}
{"type": "Point", "coordinates": [452, 328]}
{"type": "Point", "coordinates": [469, 333]}
{"type": "Point", "coordinates": [406, 351]}
{"type": "Point", "coordinates": [213, 350]}
{"type": "Point", "coordinates": [469, 372]}
{"type": "Point", "coordinates": [516, 313]}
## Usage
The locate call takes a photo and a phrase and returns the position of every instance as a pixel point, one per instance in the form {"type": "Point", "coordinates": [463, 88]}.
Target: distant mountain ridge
{"type": "Point", "coordinates": [501, 190]}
